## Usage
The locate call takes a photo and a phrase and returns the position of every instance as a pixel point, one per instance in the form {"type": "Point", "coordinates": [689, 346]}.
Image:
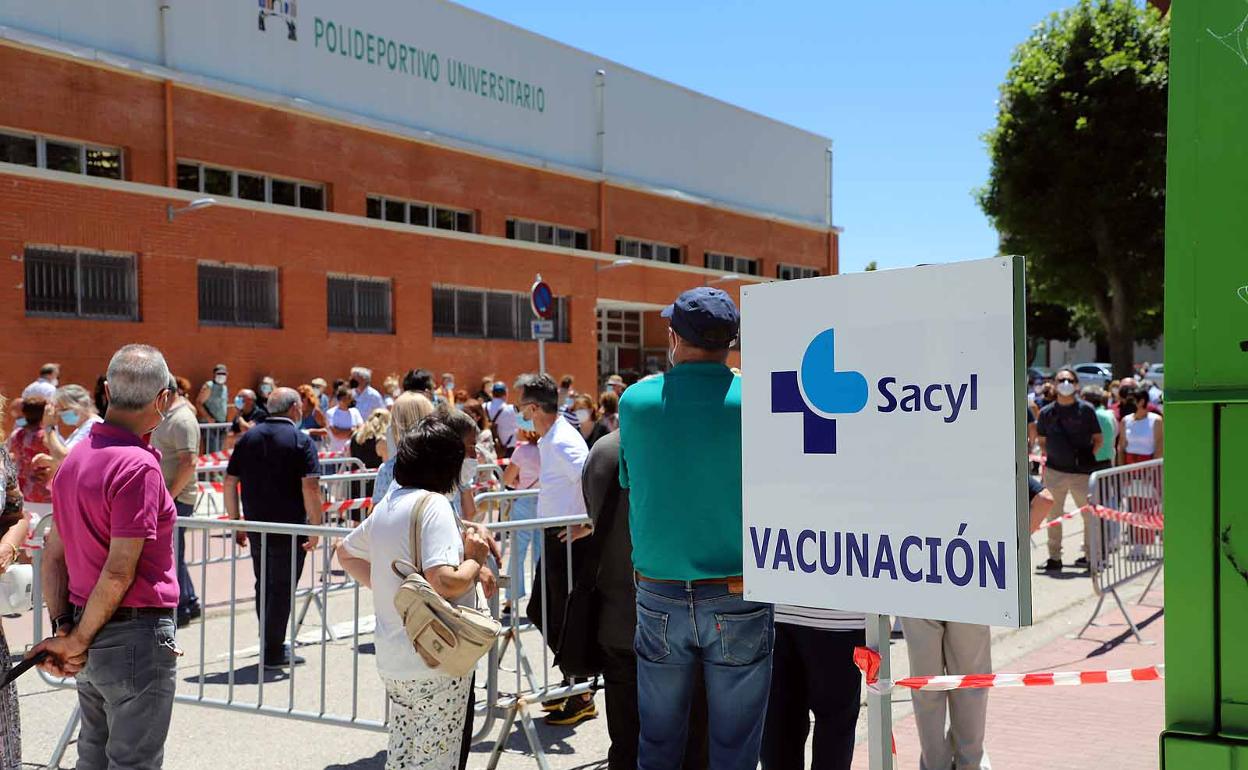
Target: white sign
{"type": "Point", "coordinates": [883, 426]}
{"type": "Point", "coordinates": [542, 330]}
{"type": "Point", "coordinates": [438, 67]}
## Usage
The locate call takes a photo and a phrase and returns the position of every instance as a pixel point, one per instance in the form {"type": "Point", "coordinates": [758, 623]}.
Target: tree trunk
{"type": "Point", "coordinates": [1113, 306]}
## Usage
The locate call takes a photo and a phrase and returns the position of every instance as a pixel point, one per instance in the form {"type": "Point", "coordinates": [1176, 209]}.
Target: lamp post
{"type": "Point", "coordinates": [198, 203]}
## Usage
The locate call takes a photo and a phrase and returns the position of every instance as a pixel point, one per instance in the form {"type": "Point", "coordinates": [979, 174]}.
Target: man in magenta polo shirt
{"type": "Point", "coordinates": [109, 572]}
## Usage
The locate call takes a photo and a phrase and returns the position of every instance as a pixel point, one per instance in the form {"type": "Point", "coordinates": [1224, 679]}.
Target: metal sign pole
{"type": "Point", "coordinates": [880, 705]}
{"type": "Point", "coordinates": [541, 355]}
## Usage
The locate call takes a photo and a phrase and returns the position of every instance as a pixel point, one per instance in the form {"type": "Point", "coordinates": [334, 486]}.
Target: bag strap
{"type": "Point", "coordinates": [418, 508]}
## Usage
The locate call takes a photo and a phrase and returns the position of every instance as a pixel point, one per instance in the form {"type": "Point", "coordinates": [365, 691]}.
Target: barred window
{"type": "Point", "coordinates": [238, 295]}
{"type": "Point", "coordinates": [794, 272]}
{"type": "Point", "coordinates": [495, 315]}
{"type": "Point", "coordinates": [554, 235]}
{"type": "Point", "coordinates": [420, 214]}
{"type": "Point", "coordinates": [232, 183]}
{"type": "Point", "coordinates": [80, 283]}
{"type": "Point", "coordinates": [656, 252]}
{"type": "Point", "coordinates": [358, 304]}
{"type": "Point", "coordinates": [731, 264]}
{"type": "Point", "coordinates": [60, 154]}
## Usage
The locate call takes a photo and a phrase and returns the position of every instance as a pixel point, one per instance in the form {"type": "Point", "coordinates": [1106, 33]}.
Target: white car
{"type": "Point", "coordinates": [1100, 374]}
{"type": "Point", "coordinates": [1157, 373]}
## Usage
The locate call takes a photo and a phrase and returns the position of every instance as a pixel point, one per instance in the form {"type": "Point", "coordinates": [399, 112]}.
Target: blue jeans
{"type": "Point", "coordinates": [187, 600]}
{"type": "Point", "coordinates": [681, 628]}
{"type": "Point", "coordinates": [523, 509]}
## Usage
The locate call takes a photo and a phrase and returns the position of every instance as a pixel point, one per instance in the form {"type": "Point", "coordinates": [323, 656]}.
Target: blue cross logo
{"type": "Point", "coordinates": [818, 391]}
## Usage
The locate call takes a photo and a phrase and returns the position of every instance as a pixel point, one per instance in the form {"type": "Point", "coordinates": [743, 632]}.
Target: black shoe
{"type": "Point", "coordinates": [285, 660]}
{"type": "Point", "coordinates": [574, 711]}
{"type": "Point", "coordinates": [1053, 565]}
{"type": "Point", "coordinates": [1081, 562]}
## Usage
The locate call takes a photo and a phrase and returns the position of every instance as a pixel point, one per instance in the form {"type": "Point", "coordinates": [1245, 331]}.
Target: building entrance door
{"type": "Point", "coordinates": [619, 342]}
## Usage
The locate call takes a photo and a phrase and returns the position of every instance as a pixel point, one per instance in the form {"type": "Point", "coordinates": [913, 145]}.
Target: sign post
{"type": "Point", "coordinates": [884, 459]}
{"type": "Point", "coordinates": [542, 300]}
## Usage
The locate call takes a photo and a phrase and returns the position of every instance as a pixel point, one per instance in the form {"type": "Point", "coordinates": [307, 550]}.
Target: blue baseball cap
{"type": "Point", "coordinates": [705, 317]}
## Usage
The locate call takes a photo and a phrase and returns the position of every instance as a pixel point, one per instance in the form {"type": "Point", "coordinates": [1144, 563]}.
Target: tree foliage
{"type": "Point", "coordinates": [1078, 166]}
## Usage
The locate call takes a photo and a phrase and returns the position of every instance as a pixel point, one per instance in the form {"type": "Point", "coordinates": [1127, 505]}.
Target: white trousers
{"type": "Point", "coordinates": [426, 722]}
{"type": "Point", "coordinates": [937, 648]}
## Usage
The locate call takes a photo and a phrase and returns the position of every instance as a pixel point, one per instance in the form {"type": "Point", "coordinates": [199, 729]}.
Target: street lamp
{"type": "Point", "coordinates": [617, 263]}
{"type": "Point", "coordinates": [198, 203]}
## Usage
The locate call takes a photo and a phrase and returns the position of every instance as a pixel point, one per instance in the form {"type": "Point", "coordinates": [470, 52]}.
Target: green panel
{"type": "Point", "coordinates": [1179, 752]}
{"type": "Point", "coordinates": [1233, 568]}
{"type": "Point", "coordinates": [1206, 319]}
{"type": "Point", "coordinates": [1191, 683]}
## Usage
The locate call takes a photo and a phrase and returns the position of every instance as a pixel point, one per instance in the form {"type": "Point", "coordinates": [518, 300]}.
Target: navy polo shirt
{"type": "Point", "coordinates": [272, 460]}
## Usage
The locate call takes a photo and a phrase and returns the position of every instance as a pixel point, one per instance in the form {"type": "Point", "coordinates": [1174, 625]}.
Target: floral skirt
{"type": "Point", "coordinates": [10, 720]}
{"type": "Point", "coordinates": [426, 721]}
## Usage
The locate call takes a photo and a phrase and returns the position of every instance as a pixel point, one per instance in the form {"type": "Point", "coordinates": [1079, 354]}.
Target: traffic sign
{"type": "Point", "coordinates": [542, 329]}
{"type": "Point", "coordinates": [542, 299]}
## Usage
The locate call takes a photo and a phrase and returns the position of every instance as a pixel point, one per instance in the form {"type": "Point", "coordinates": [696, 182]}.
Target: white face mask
{"type": "Point", "coordinates": [582, 415]}
{"type": "Point", "coordinates": [468, 472]}
{"type": "Point", "coordinates": [219, 379]}
{"type": "Point", "coordinates": [1066, 388]}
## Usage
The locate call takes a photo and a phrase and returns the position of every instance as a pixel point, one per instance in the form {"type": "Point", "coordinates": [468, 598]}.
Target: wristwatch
{"type": "Point", "coordinates": [64, 619]}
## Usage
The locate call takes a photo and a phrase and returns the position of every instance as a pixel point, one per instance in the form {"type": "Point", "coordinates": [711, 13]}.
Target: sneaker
{"type": "Point", "coordinates": [285, 660]}
{"type": "Point", "coordinates": [1081, 562]}
{"type": "Point", "coordinates": [1053, 565]}
{"type": "Point", "coordinates": [554, 705]}
{"type": "Point", "coordinates": [574, 711]}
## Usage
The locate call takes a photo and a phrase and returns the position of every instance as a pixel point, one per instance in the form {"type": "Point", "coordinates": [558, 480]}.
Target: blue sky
{"type": "Point", "coordinates": [904, 88]}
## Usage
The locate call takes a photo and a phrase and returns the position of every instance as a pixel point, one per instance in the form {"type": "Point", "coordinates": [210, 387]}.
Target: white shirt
{"type": "Point", "coordinates": [342, 419]}
{"type": "Point", "coordinates": [40, 387]}
{"type": "Point", "coordinates": [829, 620]}
{"type": "Point", "coordinates": [82, 431]}
{"type": "Point", "coordinates": [368, 400]}
{"type": "Point", "coordinates": [503, 415]}
{"type": "Point", "coordinates": [1140, 434]}
{"type": "Point", "coordinates": [386, 536]}
{"type": "Point", "coordinates": [563, 452]}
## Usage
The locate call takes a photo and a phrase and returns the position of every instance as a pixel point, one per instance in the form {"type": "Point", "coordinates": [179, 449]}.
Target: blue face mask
{"type": "Point", "coordinates": [21, 422]}
{"type": "Point", "coordinates": [238, 403]}
{"type": "Point", "coordinates": [524, 423]}
{"type": "Point", "coordinates": [70, 418]}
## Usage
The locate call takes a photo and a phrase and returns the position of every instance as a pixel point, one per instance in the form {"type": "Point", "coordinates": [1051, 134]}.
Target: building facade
{"type": "Point", "coordinates": [375, 201]}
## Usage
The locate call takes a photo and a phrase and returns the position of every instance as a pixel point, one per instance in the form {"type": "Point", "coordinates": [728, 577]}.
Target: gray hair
{"type": "Point", "coordinates": [137, 374]}
{"type": "Point", "coordinates": [541, 390]}
{"type": "Point", "coordinates": [362, 372]}
{"type": "Point", "coordinates": [281, 400]}
{"type": "Point", "coordinates": [75, 397]}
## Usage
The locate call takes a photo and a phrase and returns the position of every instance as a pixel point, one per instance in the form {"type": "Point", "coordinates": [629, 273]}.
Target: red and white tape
{"type": "Point", "coordinates": [1138, 520]}
{"type": "Point", "coordinates": [204, 487]}
{"type": "Point", "coordinates": [343, 506]}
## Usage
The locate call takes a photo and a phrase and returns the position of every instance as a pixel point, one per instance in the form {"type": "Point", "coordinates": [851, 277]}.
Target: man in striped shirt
{"type": "Point", "coordinates": [813, 671]}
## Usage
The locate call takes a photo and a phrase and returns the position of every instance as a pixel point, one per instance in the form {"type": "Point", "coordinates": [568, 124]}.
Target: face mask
{"type": "Point", "coordinates": [318, 390]}
{"type": "Point", "coordinates": [449, 385]}
{"type": "Point", "coordinates": [524, 423]}
{"type": "Point", "coordinates": [468, 472]}
{"type": "Point", "coordinates": [21, 422]}
{"type": "Point", "coordinates": [355, 384]}
{"type": "Point", "coordinates": [266, 389]}
{"type": "Point", "coordinates": [70, 418]}
{"type": "Point", "coordinates": [582, 415]}
{"type": "Point", "coordinates": [238, 403]}
{"type": "Point", "coordinates": [1065, 388]}
{"type": "Point", "coordinates": [219, 379]}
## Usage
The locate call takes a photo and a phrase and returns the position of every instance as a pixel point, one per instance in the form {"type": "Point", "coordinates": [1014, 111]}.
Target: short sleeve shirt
{"type": "Point", "coordinates": [111, 486]}
{"type": "Point", "coordinates": [563, 452]}
{"type": "Point", "coordinates": [369, 400]}
{"type": "Point", "coordinates": [177, 435]}
{"type": "Point", "coordinates": [1068, 429]}
{"type": "Point", "coordinates": [271, 461]}
{"type": "Point", "coordinates": [680, 459]}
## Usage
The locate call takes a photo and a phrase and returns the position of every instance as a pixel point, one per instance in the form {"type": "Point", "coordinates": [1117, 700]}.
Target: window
{"type": "Point", "coordinates": [731, 264]}
{"type": "Point", "coordinates": [60, 155]}
{"type": "Point", "coordinates": [554, 235]}
{"type": "Point", "coordinates": [420, 214]}
{"type": "Point", "coordinates": [231, 183]}
{"type": "Point", "coordinates": [495, 315]}
{"type": "Point", "coordinates": [237, 295]}
{"type": "Point", "coordinates": [80, 283]}
{"type": "Point", "coordinates": [657, 252]}
{"type": "Point", "coordinates": [794, 272]}
{"type": "Point", "coordinates": [359, 304]}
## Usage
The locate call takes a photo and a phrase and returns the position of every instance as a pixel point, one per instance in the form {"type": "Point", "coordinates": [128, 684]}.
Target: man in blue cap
{"type": "Point", "coordinates": [680, 459]}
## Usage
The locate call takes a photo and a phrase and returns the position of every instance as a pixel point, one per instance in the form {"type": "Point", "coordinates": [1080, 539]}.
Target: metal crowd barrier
{"type": "Point", "coordinates": [232, 685]}
{"type": "Point", "coordinates": [1128, 543]}
{"type": "Point", "coordinates": [212, 436]}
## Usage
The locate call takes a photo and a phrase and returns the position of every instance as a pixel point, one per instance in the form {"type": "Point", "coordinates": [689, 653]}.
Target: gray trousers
{"type": "Point", "coordinates": [937, 648]}
{"type": "Point", "coordinates": [126, 695]}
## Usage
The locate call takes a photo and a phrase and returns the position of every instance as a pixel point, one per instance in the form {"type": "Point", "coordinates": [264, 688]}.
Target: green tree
{"type": "Point", "coordinates": [871, 267]}
{"type": "Point", "coordinates": [1078, 167]}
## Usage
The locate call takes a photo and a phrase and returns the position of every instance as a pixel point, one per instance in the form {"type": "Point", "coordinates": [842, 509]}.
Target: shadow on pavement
{"type": "Point", "coordinates": [375, 762]}
{"type": "Point", "coordinates": [554, 740]}
{"type": "Point", "coordinates": [245, 675]}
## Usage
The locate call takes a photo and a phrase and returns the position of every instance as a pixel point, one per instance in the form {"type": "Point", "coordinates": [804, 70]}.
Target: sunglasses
{"type": "Point", "coordinates": [1065, 379]}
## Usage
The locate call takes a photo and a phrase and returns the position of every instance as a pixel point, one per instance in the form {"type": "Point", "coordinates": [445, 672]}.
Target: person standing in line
{"type": "Point", "coordinates": [74, 408]}
{"type": "Point", "coordinates": [25, 444]}
{"type": "Point", "coordinates": [322, 397]}
{"type": "Point", "coordinates": [446, 391]}
{"type": "Point", "coordinates": [248, 413]}
{"type": "Point", "coordinates": [1125, 388]}
{"type": "Point", "coordinates": [503, 417]}
{"type": "Point", "coordinates": [264, 389]}
{"type": "Point", "coordinates": [1142, 432]}
{"type": "Point", "coordinates": [607, 505]}
{"type": "Point", "coordinates": [343, 419]}
{"type": "Point", "coordinates": [522, 472]}
{"type": "Point", "coordinates": [685, 521]}
{"type": "Point", "coordinates": [566, 391]}
{"type": "Point", "coordinates": [813, 671]}
{"type": "Point", "coordinates": [586, 413]}
{"type": "Point", "coordinates": [562, 452]}
{"type": "Point", "coordinates": [1095, 396]}
{"type": "Point", "coordinates": [615, 384]}
{"type": "Point", "coordinates": [177, 440]}
{"type": "Point", "coordinates": [213, 405]}
{"type": "Point", "coordinates": [609, 403]}
{"type": "Point", "coordinates": [45, 384]}
{"type": "Point", "coordinates": [409, 409]}
{"type": "Point", "coordinates": [420, 381]}
{"type": "Point", "coordinates": [1070, 436]}
{"type": "Point", "coordinates": [367, 398]}
{"type": "Point", "coordinates": [109, 575]}
{"type": "Point", "coordinates": [280, 473]}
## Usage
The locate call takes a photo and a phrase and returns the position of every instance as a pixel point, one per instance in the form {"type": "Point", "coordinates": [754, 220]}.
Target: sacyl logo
{"type": "Point", "coordinates": [818, 392]}
{"type": "Point", "coordinates": [283, 8]}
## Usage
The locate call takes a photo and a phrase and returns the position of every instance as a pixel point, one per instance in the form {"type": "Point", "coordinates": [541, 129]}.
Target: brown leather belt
{"type": "Point", "coordinates": [736, 583]}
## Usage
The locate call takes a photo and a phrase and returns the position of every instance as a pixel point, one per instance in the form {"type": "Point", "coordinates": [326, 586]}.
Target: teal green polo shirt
{"type": "Point", "coordinates": [680, 460]}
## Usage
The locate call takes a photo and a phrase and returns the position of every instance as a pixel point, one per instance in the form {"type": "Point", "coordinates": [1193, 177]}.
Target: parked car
{"type": "Point", "coordinates": [1095, 374]}
{"type": "Point", "coordinates": [1157, 373]}
{"type": "Point", "coordinates": [1038, 374]}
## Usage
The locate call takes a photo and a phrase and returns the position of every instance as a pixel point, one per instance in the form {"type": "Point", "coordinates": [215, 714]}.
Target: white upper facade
{"type": "Point", "coordinates": [462, 78]}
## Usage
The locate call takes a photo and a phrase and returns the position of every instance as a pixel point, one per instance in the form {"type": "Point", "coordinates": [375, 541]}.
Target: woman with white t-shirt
{"type": "Point", "coordinates": [428, 708]}
{"type": "Point", "coordinates": [1141, 436]}
{"type": "Point", "coordinates": [343, 419]}
{"type": "Point", "coordinates": [73, 408]}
